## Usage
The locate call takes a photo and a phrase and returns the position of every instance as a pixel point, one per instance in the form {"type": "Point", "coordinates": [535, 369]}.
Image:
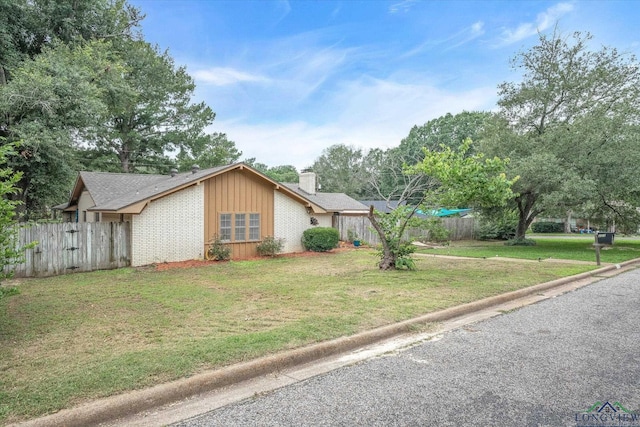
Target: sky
{"type": "Point", "coordinates": [288, 79]}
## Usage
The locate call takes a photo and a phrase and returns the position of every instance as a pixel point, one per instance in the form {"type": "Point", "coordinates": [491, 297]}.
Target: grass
{"type": "Point", "coordinates": [69, 339]}
{"type": "Point", "coordinates": [574, 248]}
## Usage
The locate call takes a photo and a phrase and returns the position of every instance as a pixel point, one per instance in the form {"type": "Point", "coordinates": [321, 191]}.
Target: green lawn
{"type": "Point", "coordinates": [570, 248]}
{"type": "Point", "coordinates": [67, 339]}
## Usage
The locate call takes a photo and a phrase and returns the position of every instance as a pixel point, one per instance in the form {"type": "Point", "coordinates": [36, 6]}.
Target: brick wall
{"type": "Point", "coordinates": [169, 229]}
{"type": "Point", "coordinates": [291, 219]}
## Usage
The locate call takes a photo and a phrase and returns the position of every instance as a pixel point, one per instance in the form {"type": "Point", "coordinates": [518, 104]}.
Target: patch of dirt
{"type": "Point", "coordinates": [194, 263]}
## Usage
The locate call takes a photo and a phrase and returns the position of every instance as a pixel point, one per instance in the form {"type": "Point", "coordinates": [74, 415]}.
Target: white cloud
{"type": "Point", "coordinates": [283, 8]}
{"type": "Point", "coordinates": [402, 6]}
{"type": "Point", "coordinates": [543, 21]}
{"type": "Point", "coordinates": [368, 113]}
{"type": "Point", "coordinates": [223, 76]}
{"type": "Point", "coordinates": [460, 38]}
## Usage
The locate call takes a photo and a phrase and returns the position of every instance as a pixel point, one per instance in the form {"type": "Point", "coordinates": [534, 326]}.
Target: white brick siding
{"type": "Point", "coordinates": [169, 229]}
{"type": "Point", "coordinates": [291, 219]}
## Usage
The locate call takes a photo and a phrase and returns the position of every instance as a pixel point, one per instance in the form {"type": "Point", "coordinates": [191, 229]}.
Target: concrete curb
{"type": "Point", "coordinates": [120, 406]}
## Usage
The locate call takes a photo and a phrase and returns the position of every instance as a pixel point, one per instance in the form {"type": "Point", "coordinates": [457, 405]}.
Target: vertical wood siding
{"type": "Point", "coordinates": [73, 247]}
{"type": "Point", "coordinates": [238, 192]}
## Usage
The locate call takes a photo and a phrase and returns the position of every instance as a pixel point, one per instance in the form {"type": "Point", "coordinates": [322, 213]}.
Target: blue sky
{"type": "Point", "coordinates": [288, 79]}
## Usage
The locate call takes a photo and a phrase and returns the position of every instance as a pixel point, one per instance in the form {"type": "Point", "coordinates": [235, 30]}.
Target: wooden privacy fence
{"type": "Point", "coordinates": [459, 229]}
{"type": "Point", "coordinates": [71, 247]}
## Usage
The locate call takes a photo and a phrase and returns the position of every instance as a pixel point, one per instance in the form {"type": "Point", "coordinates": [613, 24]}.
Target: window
{"type": "Point", "coordinates": [242, 222]}
{"type": "Point", "coordinates": [225, 226]}
{"type": "Point", "coordinates": [254, 226]}
{"type": "Point", "coordinates": [241, 227]}
{"type": "Point", "coordinates": [96, 217]}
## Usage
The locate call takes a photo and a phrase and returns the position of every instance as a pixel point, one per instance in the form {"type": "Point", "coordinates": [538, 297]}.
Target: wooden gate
{"type": "Point", "coordinates": [70, 247]}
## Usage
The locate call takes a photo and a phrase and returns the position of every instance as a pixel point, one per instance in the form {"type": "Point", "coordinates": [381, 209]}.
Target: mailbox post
{"type": "Point", "coordinates": [602, 239]}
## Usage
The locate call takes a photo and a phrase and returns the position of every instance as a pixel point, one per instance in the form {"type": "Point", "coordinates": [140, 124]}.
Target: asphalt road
{"type": "Point", "coordinates": [554, 363]}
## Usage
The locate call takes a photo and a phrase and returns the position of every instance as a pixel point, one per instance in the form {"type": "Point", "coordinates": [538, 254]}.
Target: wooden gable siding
{"type": "Point", "coordinates": [238, 191]}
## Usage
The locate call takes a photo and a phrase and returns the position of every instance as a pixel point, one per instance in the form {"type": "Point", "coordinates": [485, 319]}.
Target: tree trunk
{"type": "Point", "coordinates": [522, 228]}
{"type": "Point", "coordinates": [125, 161]}
{"type": "Point", "coordinates": [526, 213]}
{"type": "Point", "coordinates": [388, 261]}
{"type": "Point", "coordinates": [567, 224]}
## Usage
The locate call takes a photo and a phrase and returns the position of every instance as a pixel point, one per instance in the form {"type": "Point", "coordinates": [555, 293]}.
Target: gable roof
{"type": "Point", "coordinates": [332, 202]}
{"type": "Point", "coordinates": [130, 193]}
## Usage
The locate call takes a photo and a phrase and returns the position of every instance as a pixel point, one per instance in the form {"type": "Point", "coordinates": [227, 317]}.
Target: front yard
{"type": "Point", "coordinates": [68, 339]}
{"type": "Point", "coordinates": [566, 247]}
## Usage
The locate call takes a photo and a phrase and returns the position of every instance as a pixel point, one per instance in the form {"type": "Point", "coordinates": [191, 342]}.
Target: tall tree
{"type": "Point", "coordinates": [48, 100]}
{"type": "Point", "coordinates": [212, 150]}
{"type": "Point", "coordinates": [448, 131]}
{"type": "Point", "coordinates": [340, 170]}
{"type": "Point", "coordinates": [568, 125]}
{"type": "Point", "coordinates": [28, 26]}
{"type": "Point", "coordinates": [282, 173]}
{"type": "Point", "coordinates": [50, 58]}
{"type": "Point", "coordinates": [148, 109]}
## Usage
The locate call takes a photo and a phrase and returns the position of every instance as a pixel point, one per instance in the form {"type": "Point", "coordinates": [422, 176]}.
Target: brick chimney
{"type": "Point", "coordinates": [307, 182]}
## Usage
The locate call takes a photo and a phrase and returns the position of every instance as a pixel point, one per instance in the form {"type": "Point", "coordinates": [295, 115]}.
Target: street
{"type": "Point", "coordinates": [567, 361]}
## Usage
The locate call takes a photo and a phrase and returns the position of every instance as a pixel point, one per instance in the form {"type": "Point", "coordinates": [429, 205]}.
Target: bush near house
{"type": "Point", "coordinates": [218, 251]}
{"type": "Point", "coordinates": [270, 246]}
{"type": "Point", "coordinates": [320, 239]}
{"type": "Point", "coordinates": [547, 227]}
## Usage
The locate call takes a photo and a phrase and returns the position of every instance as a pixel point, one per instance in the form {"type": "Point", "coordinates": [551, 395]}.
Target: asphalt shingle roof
{"type": "Point", "coordinates": [382, 205]}
{"type": "Point", "coordinates": [334, 202]}
{"type": "Point", "coordinates": [112, 191]}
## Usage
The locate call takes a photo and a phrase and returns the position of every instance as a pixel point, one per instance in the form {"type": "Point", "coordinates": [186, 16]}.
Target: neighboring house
{"type": "Point", "coordinates": [174, 217]}
{"type": "Point", "coordinates": [383, 205]}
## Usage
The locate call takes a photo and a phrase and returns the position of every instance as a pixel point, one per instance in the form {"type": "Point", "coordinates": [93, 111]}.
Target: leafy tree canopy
{"type": "Point", "coordinates": [340, 169]}
{"type": "Point", "coordinates": [82, 89]}
{"type": "Point", "coordinates": [570, 127]}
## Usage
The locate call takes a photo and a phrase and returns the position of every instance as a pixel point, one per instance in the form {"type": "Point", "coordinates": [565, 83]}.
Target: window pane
{"type": "Point", "coordinates": [254, 226]}
{"type": "Point", "coordinates": [241, 227]}
{"type": "Point", "coordinates": [225, 226]}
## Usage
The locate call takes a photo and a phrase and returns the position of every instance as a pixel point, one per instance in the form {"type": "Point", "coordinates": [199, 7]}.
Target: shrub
{"type": "Point", "coordinates": [403, 256]}
{"type": "Point", "coordinates": [547, 227]}
{"type": "Point", "coordinates": [501, 226]}
{"type": "Point", "coordinates": [218, 251]}
{"type": "Point", "coordinates": [270, 246]}
{"type": "Point", "coordinates": [320, 239]}
{"type": "Point", "coordinates": [437, 231]}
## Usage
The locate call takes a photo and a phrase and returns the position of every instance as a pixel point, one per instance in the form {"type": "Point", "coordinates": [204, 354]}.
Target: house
{"type": "Point", "coordinates": [383, 206]}
{"type": "Point", "coordinates": [174, 217]}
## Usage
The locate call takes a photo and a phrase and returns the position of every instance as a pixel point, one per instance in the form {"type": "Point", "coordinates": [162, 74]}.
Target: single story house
{"type": "Point", "coordinates": [174, 217]}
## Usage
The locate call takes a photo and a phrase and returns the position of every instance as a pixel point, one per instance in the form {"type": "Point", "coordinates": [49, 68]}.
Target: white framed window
{"type": "Point", "coordinates": [241, 227]}
{"type": "Point", "coordinates": [254, 226]}
{"type": "Point", "coordinates": [225, 226]}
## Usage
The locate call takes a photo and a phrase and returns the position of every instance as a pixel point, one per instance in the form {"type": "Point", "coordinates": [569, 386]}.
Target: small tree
{"type": "Point", "coordinates": [10, 253]}
{"type": "Point", "coordinates": [464, 181]}
{"type": "Point", "coordinates": [395, 251]}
